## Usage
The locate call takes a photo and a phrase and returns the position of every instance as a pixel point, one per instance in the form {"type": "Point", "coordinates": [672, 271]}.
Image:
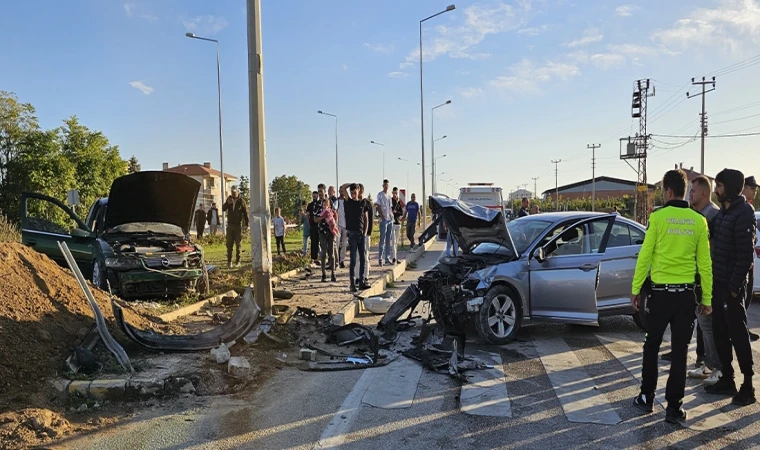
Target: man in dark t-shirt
{"type": "Point", "coordinates": [356, 226]}
{"type": "Point", "coordinates": [313, 210]}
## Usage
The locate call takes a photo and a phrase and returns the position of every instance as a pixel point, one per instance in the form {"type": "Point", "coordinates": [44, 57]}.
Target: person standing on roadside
{"type": "Point", "coordinates": [534, 210]}
{"type": "Point", "coordinates": [355, 211]}
{"type": "Point", "coordinates": [200, 221]}
{"type": "Point", "coordinates": [749, 192]}
{"type": "Point", "coordinates": [733, 251]}
{"type": "Point", "coordinates": [303, 218]}
{"type": "Point", "coordinates": [334, 202]}
{"type": "Point", "coordinates": [412, 217]}
{"type": "Point", "coordinates": [212, 217]}
{"type": "Point", "coordinates": [369, 212]}
{"type": "Point", "coordinates": [328, 229]}
{"type": "Point", "coordinates": [524, 208]}
{"type": "Point", "coordinates": [279, 230]}
{"type": "Point", "coordinates": [708, 365]}
{"type": "Point", "coordinates": [237, 219]}
{"type": "Point", "coordinates": [342, 242]}
{"type": "Point", "coordinates": [384, 205]}
{"type": "Point", "coordinates": [675, 247]}
{"type": "Point", "coordinates": [397, 208]}
{"type": "Point", "coordinates": [313, 210]}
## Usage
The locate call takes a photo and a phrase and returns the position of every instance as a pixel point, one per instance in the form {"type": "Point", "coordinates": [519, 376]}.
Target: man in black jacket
{"type": "Point", "coordinates": [733, 237]}
{"type": "Point", "coordinates": [314, 209]}
{"type": "Point", "coordinates": [200, 220]}
{"type": "Point", "coordinates": [237, 219]}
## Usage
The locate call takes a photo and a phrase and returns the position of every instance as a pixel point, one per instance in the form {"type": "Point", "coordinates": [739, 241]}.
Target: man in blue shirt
{"type": "Point", "coordinates": [412, 218]}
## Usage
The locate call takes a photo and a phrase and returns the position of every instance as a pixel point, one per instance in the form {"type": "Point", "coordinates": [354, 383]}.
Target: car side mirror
{"type": "Point", "coordinates": [80, 233]}
{"type": "Point", "coordinates": [539, 254]}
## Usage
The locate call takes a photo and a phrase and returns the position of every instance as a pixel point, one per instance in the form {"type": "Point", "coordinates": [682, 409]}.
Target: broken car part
{"type": "Point", "coordinates": [408, 301]}
{"type": "Point", "coordinates": [236, 328]}
{"type": "Point", "coordinates": [100, 321]}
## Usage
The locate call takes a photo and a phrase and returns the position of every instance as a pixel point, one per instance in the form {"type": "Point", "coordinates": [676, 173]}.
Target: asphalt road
{"type": "Point", "coordinates": [561, 387]}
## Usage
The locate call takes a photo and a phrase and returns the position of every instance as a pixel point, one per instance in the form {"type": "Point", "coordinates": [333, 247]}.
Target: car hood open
{"type": "Point", "coordinates": [472, 224]}
{"type": "Point", "coordinates": [152, 196]}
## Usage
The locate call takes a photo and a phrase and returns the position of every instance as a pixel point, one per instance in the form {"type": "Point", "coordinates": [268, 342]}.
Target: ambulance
{"type": "Point", "coordinates": [483, 194]}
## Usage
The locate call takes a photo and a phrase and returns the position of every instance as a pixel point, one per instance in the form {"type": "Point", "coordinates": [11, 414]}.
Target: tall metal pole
{"type": "Point", "coordinates": [260, 236]}
{"type": "Point", "coordinates": [703, 116]}
{"type": "Point", "coordinates": [556, 184]}
{"type": "Point", "coordinates": [336, 143]}
{"type": "Point", "coordinates": [432, 143]}
{"type": "Point", "coordinates": [383, 146]}
{"type": "Point", "coordinates": [593, 148]}
{"type": "Point", "coordinates": [422, 120]}
{"type": "Point", "coordinates": [535, 187]}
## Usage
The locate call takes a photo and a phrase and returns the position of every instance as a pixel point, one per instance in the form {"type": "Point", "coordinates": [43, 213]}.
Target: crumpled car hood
{"type": "Point", "coordinates": [152, 196]}
{"type": "Point", "coordinates": [472, 224]}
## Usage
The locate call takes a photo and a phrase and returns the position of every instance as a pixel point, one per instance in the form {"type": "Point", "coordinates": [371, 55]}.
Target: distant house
{"type": "Point", "coordinates": [606, 187]}
{"type": "Point", "coordinates": [520, 194]}
{"type": "Point", "coordinates": [210, 179]}
{"type": "Point", "coordinates": [690, 175]}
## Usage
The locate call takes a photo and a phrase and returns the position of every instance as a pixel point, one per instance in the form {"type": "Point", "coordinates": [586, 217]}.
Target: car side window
{"type": "Point", "coordinates": [637, 236]}
{"type": "Point", "coordinates": [572, 241]}
{"type": "Point", "coordinates": [619, 235]}
{"type": "Point", "coordinates": [47, 217]}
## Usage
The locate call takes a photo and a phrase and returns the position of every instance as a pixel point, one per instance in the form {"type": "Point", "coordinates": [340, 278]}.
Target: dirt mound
{"type": "Point", "coordinates": [43, 314]}
{"type": "Point", "coordinates": [31, 427]}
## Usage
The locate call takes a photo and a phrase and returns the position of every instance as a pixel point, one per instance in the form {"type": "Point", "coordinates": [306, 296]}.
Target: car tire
{"type": "Point", "coordinates": [99, 276]}
{"type": "Point", "coordinates": [500, 316]}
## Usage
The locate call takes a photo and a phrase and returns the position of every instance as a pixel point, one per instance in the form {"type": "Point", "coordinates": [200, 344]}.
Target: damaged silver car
{"type": "Point", "coordinates": [568, 267]}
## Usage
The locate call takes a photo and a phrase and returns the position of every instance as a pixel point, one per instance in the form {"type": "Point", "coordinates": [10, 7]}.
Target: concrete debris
{"type": "Point", "coordinates": [82, 408]}
{"type": "Point", "coordinates": [220, 354]}
{"type": "Point", "coordinates": [307, 354]}
{"type": "Point", "coordinates": [378, 304]}
{"type": "Point", "coordinates": [238, 367]}
{"type": "Point", "coordinates": [282, 294]}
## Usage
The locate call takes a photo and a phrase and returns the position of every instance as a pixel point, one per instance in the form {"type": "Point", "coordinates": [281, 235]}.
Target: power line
{"type": "Point", "coordinates": [715, 136]}
{"type": "Point", "coordinates": [739, 118]}
{"type": "Point", "coordinates": [703, 115]}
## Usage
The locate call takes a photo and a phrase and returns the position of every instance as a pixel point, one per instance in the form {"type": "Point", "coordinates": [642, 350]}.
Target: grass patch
{"type": "Point", "coordinates": [8, 230]}
{"type": "Point", "coordinates": [390, 285]}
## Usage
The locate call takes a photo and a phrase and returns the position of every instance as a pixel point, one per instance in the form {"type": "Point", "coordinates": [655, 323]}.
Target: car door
{"type": "Point", "coordinates": [563, 284]}
{"type": "Point", "coordinates": [45, 221]}
{"type": "Point", "coordinates": [618, 264]}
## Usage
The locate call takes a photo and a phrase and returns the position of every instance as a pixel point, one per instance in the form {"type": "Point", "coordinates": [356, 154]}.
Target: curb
{"type": "Point", "coordinates": [187, 310]}
{"type": "Point", "coordinates": [287, 275]}
{"type": "Point", "coordinates": [122, 388]}
{"type": "Point", "coordinates": [348, 313]}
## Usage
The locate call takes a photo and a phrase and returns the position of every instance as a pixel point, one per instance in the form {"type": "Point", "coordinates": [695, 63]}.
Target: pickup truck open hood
{"type": "Point", "coordinates": [152, 196]}
{"type": "Point", "coordinates": [471, 224]}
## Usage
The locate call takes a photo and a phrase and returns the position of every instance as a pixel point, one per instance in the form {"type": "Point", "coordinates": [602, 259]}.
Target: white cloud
{"type": "Point", "coordinates": [208, 24]}
{"type": "Point", "coordinates": [460, 41]}
{"type": "Point", "coordinates": [727, 26]}
{"type": "Point", "coordinates": [590, 36]}
{"type": "Point", "coordinates": [470, 92]}
{"type": "Point", "coordinates": [142, 87]}
{"type": "Point", "coordinates": [398, 74]}
{"type": "Point", "coordinates": [533, 31]}
{"type": "Point", "coordinates": [607, 60]}
{"type": "Point", "coordinates": [525, 76]}
{"type": "Point", "coordinates": [626, 10]}
{"type": "Point", "coordinates": [133, 10]}
{"type": "Point", "coordinates": [381, 48]}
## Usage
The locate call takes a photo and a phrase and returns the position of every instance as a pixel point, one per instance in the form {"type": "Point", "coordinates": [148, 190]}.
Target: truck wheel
{"type": "Point", "coordinates": [500, 316]}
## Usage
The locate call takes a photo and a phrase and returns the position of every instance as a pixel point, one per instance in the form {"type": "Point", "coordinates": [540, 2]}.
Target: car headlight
{"type": "Point", "coordinates": [123, 263]}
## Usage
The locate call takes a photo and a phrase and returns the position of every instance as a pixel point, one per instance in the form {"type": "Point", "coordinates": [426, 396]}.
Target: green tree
{"type": "Point", "coordinates": [290, 192]}
{"type": "Point", "coordinates": [245, 189]}
{"type": "Point", "coordinates": [133, 166]}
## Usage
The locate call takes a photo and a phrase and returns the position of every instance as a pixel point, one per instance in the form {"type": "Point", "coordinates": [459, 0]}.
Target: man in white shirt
{"type": "Point", "coordinates": [343, 238]}
{"type": "Point", "coordinates": [384, 205]}
{"type": "Point", "coordinates": [213, 218]}
{"type": "Point", "coordinates": [279, 231]}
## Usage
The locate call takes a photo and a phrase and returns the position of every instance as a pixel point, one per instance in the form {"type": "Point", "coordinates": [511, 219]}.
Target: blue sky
{"type": "Point", "coordinates": [529, 80]}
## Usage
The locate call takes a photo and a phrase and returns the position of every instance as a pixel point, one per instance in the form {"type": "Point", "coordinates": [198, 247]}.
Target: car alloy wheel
{"type": "Point", "coordinates": [500, 316]}
{"type": "Point", "coordinates": [98, 275]}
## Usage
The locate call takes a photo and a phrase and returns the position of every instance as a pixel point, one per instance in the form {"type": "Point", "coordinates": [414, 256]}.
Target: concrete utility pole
{"type": "Point", "coordinates": [703, 115]}
{"type": "Point", "coordinates": [260, 240]}
{"type": "Point", "coordinates": [593, 148]}
{"type": "Point", "coordinates": [535, 187]}
{"type": "Point", "coordinates": [556, 184]}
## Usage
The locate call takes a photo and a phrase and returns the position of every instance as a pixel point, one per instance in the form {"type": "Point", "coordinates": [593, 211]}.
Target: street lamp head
{"type": "Point", "coordinates": [443, 156]}
{"type": "Point", "coordinates": [448, 102]}
{"type": "Point", "coordinates": [190, 35]}
{"type": "Point", "coordinates": [320, 112]}
{"type": "Point", "coordinates": [451, 8]}
{"type": "Point", "coordinates": [444, 137]}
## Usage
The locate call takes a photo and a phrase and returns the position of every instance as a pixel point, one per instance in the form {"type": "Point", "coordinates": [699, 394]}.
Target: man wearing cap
{"type": "Point", "coordinates": [733, 239]}
{"type": "Point", "coordinates": [675, 247]}
{"type": "Point", "coordinates": [237, 219]}
{"type": "Point", "coordinates": [749, 192]}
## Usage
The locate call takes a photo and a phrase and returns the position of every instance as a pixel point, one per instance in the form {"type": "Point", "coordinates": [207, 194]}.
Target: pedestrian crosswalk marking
{"type": "Point", "coordinates": [485, 393]}
{"type": "Point", "coordinates": [702, 414]}
{"type": "Point", "coordinates": [580, 398]}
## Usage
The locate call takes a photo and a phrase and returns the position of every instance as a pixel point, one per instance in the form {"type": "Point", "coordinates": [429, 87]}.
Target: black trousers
{"type": "Point", "coordinates": [314, 236]}
{"type": "Point", "coordinates": [750, 286]}
{"type": "Point", "coordinates": [234, 237]}
{"type": "Point", "coordinates": [280, 240]}
{"type": "Point", "coordinates": [677, 309]}
{"type": "Point", "coordinates": [200, 229]}
{"type": "Point", "coordinates": [730, 330]}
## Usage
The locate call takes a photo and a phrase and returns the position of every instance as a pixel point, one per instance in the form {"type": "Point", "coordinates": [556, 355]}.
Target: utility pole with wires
{"type": "Point", "coordinates": [535, 187]}
{"type": "Point", "coordinates": [638, 145]}
{"type": "Point", "coordinates": [593, 148]}
{"type": "Point", "coordinates": [556, 183]}
{"type": "Point", "coordinates": [703, 115]}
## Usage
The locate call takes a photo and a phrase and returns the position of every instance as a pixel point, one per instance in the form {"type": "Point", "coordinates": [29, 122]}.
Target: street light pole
{"type": "Point", "coordinates": [219, 94]}
{"type": "Point", "coordinates": [432, 140]}
{"type": "Point", "coordinates": [382, 145]}
{"type": "Point", "coordinates": [408, 188]}
{"type": "Point", "coordinates": [336, 145]}
{"type": "Point", "coordinates": [422, 118]}
{"type": "Point", "coordinates": [259, 223]}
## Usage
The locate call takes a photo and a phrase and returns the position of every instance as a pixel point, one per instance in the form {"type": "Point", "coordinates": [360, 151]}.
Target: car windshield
{"type": "Point", "coordinates": [148, 228]}
{"type": "Point", "coordinates": [524, 232]}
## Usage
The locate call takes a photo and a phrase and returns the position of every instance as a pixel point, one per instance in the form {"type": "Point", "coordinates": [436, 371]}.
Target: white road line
{"type": "Point", "coordinates": [702, 414]}
{"type": "Point", "coordinates": [395, 385]}
{"type": "Point", "coordinates": [575, 389]}
{"type": "Point", "coordinates": [335, 433]}
{"type": "Point", "coordinates": [485, 394]}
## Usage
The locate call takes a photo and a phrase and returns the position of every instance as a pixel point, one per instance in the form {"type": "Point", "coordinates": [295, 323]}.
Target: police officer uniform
{"type": "Point", "coordinates": [675, 248]}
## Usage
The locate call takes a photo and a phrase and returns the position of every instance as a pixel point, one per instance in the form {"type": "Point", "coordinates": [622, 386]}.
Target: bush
{"type": "Point", "coordinates": [8, 231]}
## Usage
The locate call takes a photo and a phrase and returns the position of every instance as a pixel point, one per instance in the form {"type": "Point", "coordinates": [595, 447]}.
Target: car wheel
{"type": "Point", "coordinates": [640, 316]}
{"type": "Point", "coordinates": [99, 276]}
{"type": "Point", "coordinates": [500, 316]}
